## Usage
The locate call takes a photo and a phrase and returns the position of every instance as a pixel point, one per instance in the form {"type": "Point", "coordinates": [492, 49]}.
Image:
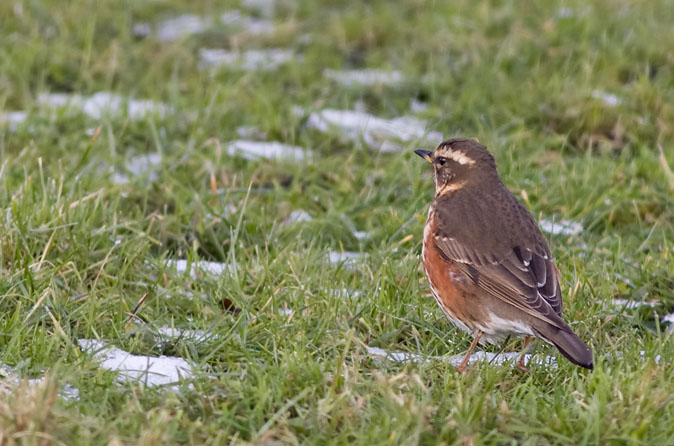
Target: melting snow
{"type": "Point", "coordinates": [562, 227]}
{"type": "Point", "coordinates": [361, 235]}
{"type": "Point", "coordinates": [364, 77]}
{"type": "Point", "coordinates": [181, 27]}
{"type": "Point", "coordinates": [375, 132]}
{"type": "Point", "coordinates": [272, 150]}
{"type": "Point", "coordinates": [11, 381]}
{"type": "Point", "coordinates": [247, 24]}
{"type": "Point", "coordinates": [347, 258]}
{"type": "Point", "coordinates": [263, 7]}
{"type": "Point", "coordinates": [215, 268]}
{"type": "Point", "coordinates": [298, 217]}
{"type": "Point", "coordinates": [138, 165]}
{"type": "Point", "coordinates": [150, 370]}
{"type": "Point", "coordinates": [609, 99]}
{"type": "Point", "coordinates": [493, 358]}
{"type": "Point", "coordinates": [252, 60]}
{"type": "Point", "coordinates": [13, 119]}
{"type": "Point", "coordinates": [190, 335]}
{"type": "Point", "coordinates": [103, 103]}
{"type": "Point", "coordinates": [631, 304]}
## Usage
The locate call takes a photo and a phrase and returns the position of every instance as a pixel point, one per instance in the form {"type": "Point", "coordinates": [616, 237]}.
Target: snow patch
{"type": "Point", "coordinates": [149, 370]}
{"type": "Point", "coordinates": [13, 119]}
{"type": "Point", "coordinates": [103, 104]}
{"type": "Point", "coordinates": [631, 304]}
{"type": "Point", "coordinates": [180, 27]}
{"type": "Point", "coordinates": [346, 258]}
{"type": "Point", "coordinates": [247, 24]}
{"type": "Point", "coordinates": [253, 150]}
{"type": "Point", "coordinates": [561, 227]}
{"type": "Point", "coordinates": [181, 266]}
{"type": "Point", "coordinates": [298, 216]}
{"type": "Point", "coordinates": [365, 78]}
{"type": "Point", "coordinates": [480, 356]}
{"type": "Point", "coordinates": [137, 166]}
{"type": "Point", "coordinates": [185, 334]}
{"type": "Point", "coordinates": [608, 99]}
{"type": "Point", "coordinates": [376, 132]}
{"type": "Point", "coordinates": [251, 60]}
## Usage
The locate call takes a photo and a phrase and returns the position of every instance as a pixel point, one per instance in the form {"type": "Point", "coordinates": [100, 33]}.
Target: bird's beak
{"type": "Point", "coordinates": [425, 154]}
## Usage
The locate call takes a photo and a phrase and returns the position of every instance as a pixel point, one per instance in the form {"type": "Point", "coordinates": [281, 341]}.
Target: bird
{"type": "Point", "coordinates": [487, 263]}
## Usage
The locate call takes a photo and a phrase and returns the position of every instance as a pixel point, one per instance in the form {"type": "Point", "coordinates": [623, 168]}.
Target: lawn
{"type": "Point", "coordinates": [279, 285]}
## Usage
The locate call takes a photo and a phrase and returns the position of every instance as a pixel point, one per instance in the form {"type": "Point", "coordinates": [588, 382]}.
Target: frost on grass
{"type": "Point", "coordinates": [480, 356]}
{"type": "Point", "coordinates": [180, 27]}
{"type": "Point", "coordinates": [561, 227]}
{"type": "Point", "coordinates": [366, 78]}
{"type": "Point", "coordinates": [149, 370]}
{"type": "Point", "coordinates": [387, 135]}
{"type": "Point", "coordinates": [137, 166]}
{"type": "Point", "coordinates": [270, 150]}
{"type": "Point", "coordinates": [103, 104]}
{"type": "Point", "coordinates": [181, 266]}
{"type": "Point", "coordinates": [252, 60]}
{"type": "Point", "coordinates": [12, 119]}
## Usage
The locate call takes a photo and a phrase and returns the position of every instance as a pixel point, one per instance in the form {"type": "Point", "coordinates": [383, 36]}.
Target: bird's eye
{"type": "Point", "coordinates": [441, 160]}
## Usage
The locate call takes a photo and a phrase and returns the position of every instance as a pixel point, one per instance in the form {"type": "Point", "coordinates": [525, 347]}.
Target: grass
{"type": "Point", "coordinates": [526, 79]}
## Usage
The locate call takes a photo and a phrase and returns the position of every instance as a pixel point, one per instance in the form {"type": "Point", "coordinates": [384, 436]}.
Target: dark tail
{"type": "Point", "coordinates": [568, 345]}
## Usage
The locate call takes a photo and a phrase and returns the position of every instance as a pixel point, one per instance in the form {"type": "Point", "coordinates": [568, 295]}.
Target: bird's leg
{"type": "Point", "coordinates": [520, 364]}
{"type": "Point", "coordinates": [464, 364]}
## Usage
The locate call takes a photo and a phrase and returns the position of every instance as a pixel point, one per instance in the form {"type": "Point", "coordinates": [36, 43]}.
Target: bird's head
{"type": "Point", "coordinates": [459, 161]}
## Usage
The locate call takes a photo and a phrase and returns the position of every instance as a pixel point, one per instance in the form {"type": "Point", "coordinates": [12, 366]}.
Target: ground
{"type": "Point", "coordinates": [124, 175]}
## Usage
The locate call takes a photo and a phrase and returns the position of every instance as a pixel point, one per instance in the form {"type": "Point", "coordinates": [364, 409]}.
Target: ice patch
{"type": "Point", "coordinates": [149, 370]}
{"type": "Point", "coordinates": [215, 268]}
{"type": "Point", "coordinates": [609, 99]}
{"type": "Point", "coordinates": [136, 166]}
{"type": "Point", "coordinates": [253, 150]}
{"type": "Point", "coordinates": [366, 78]}
{"type": "Point", "coordinates": [561, 227]}
{"type": "Point", "coordinates": [252, 60]}
{"type": "Point", "coordinates": [375, 132]}
{"type": "Point", "coordinates": [180, 27]}
{"type": "Point", "coordinates": [103, 104]}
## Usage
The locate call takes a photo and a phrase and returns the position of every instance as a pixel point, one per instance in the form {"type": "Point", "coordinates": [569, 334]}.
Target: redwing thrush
{"type": "Point", "coordinates": [487, 264]}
